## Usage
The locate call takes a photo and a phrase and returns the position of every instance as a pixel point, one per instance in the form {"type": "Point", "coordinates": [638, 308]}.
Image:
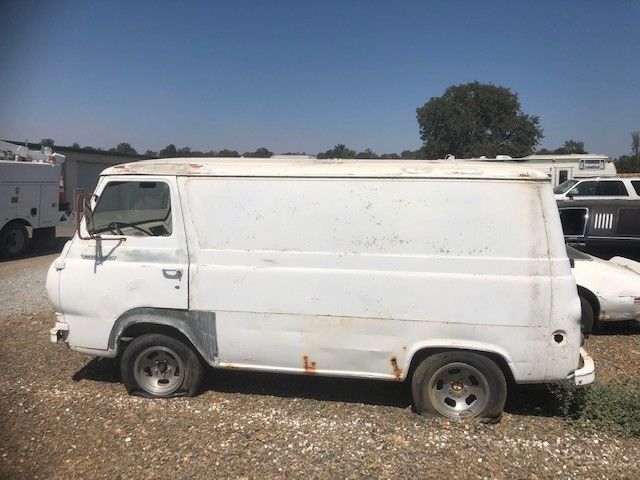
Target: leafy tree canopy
{"type": "Point", "coordinates": [412, 154]}
{"type": "Point", "coordinates": [570, 146]}
{"type": "Point", "coordinates": [367, 153]}
{"type": "Point", "coordinates": [47, 142]}
{"type": "Point", "coordinates": [226, 153]}
{"type": "Point", "coordinates": [168, 151]}
{"type": "Point", "coordinates": [628, 164]}
{"type": "Point", "coordinates": [339, 151]}
{"type": "Point", "coordinates": [125, 149]}
{"type": "Point", "coordinates": [261, 152]}
{"type": "Point", "coordinates": [475, 119]}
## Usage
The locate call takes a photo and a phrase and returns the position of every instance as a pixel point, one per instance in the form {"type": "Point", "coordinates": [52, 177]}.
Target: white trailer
{"type": "Point", "coordinates": [30, 186]}
{"type": "Point", "coordinates": [561, 168]}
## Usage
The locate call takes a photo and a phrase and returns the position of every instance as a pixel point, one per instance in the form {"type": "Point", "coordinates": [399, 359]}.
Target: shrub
{"type": "Point", "coordinates": [611, 406]}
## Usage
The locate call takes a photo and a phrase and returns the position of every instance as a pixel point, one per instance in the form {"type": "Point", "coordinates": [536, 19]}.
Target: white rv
{"type": "Point", "coordinates": [561, 168]}
{"type": "Point", "coordinates": [389, 270]}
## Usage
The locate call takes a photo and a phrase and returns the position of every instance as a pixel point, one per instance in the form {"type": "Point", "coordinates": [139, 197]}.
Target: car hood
{"type": "Point", "coordinates": [616, 277]}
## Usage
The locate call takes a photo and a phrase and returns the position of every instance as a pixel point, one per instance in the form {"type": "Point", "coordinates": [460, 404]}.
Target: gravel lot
{"type": "Point", "coordinates": [65, 415]}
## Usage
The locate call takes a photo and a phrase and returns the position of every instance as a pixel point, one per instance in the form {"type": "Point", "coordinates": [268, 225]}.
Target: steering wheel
{"type": "Point", "coordinates": [117, 225]}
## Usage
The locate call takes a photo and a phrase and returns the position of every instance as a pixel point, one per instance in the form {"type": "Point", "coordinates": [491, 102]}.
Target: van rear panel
{"type": "Point", "coordinates": [352, 276]}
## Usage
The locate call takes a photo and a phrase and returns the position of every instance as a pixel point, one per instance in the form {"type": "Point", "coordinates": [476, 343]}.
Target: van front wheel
{"type": "Point", "coordinates": [157, 365]}
{"type": "Point", "coordinates": [459, 385]}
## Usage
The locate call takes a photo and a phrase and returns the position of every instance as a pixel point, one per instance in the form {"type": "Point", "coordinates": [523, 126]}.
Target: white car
{"type": "Point", "coordinates": [599, 188]}
{"type": "Point", "coordinates": [609, 290]}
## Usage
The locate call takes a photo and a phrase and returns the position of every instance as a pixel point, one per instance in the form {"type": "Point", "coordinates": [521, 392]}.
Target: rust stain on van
{"type": "Point", "coordinates": [195, 165]}
{"type": "Point", "coordinates": [309, 366]}
{"type": "Point", "coordinates": [397, 372]}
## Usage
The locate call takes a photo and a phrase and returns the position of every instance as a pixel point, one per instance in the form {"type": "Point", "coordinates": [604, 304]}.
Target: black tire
{"type": "Point", "coordinates": [432, 395]}
{"type": "Point", "coordinates": [587, 318]}
{"type": "Point", "coordinates": [178, 357]}
{"type": "Point", "coordinates": [14, 240]}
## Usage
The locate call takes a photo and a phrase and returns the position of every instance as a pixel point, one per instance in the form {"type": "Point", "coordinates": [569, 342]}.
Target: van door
{"type": "Point", "coordinates": [139, 259]}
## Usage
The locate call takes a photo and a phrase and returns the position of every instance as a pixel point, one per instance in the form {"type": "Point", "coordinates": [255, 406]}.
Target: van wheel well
{"type": "Point", "coordinates": [426, 352]}
{"type": "Point", "coordinates": [593, 301]}
{"type": "Point", "coordinates": [145, 328]}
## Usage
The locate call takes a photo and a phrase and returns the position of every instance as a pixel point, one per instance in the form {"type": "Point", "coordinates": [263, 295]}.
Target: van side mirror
{"type": "Point", "coordinates": [83, 210]}
{"type": "Point", "coordinates": [570, 195]}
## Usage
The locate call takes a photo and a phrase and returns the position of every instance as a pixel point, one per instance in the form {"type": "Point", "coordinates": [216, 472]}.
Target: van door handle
{"type": "Point", "coordinates": [172, 273]}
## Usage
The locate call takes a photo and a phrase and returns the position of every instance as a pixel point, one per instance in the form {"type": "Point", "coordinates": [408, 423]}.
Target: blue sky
{"type": "Point", "coordinates": [304, 76]}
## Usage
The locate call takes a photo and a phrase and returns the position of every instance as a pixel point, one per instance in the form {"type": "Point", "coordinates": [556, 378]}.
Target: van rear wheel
{"type": "Point", "coordinates": [157, 365]}
{"type": "Point", "coordinates": [459, 385]}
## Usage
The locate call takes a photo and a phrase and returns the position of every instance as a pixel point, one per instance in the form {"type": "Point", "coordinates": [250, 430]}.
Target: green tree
{"type": "Point", "coordinates": [411, 154]}
{"type": "Point", "coordinates": [151, 153]}
{"type": "Point", "coordinates": [339, 151]}
{"type": "Point", "coordinates": [47, 142]}
{"type": "Point", "coordinates": [184, 152]}
{"type": "Point", "coordinates": [628, 164]}
{"type": "Point", "coordinates": [125, 149]}
{"type": "Point", "coordinates": [390, 156]}
{"type": "Point", "coordinates": [168, 151]}
{"type": "Point", "coordinates": [261, 152]}
{"type": "Point", "coordinates": [477, 119]}
{"type": "Point", "coordinates": [635, 143]}
{"type": "Point", "coordinates": [367, 153]}
{"type": "Point", "coordinates": [75, 145]}
{"type": "Point", "coordinates": [570, 146]}
{"type": "Point", "coordinates": [226, 153]}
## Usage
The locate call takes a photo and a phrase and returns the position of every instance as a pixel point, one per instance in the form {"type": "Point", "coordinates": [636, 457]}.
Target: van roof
{"type": "Point", "coordinates": [281, 167]}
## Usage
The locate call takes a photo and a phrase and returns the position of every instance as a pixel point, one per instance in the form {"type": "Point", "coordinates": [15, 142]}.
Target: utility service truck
{"type": "Point", "coordinates": [31, 195]}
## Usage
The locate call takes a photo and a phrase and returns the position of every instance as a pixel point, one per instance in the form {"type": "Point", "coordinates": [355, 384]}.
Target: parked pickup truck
{"type": "Point", "coordinates": [380, 270]}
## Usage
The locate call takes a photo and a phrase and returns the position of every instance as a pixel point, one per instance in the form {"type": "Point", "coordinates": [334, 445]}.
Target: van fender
{"type": "Point", "coordinates": [199, 327]}
{"type": "Point", "coordinates": [447, 344]}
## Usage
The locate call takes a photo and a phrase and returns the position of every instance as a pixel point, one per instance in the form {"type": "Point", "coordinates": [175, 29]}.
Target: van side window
{"type": "Point", "coordinates": [585, 188]}
{"type": "Point", "coordinates": [610, 188]}
{"type": "Point", "coordinates": [133, 209]}
{"type": "Point", "coordinates": [573, 221]}
{"type": "Point", "coordinates": [636, 186]}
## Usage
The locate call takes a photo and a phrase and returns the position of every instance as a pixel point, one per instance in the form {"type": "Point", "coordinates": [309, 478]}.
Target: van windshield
{"type": "Point", "coordinates": [134, 209]}
{"type": "Point", "coordinates": [564, 186]}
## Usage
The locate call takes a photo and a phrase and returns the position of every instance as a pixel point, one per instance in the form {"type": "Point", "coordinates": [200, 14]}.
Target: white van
{"type": "Point", "coordinates": [453, 276]}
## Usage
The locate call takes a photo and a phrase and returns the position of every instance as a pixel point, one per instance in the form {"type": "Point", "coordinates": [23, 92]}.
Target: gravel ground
{"type": "Point", "coordinates": [65, 415]}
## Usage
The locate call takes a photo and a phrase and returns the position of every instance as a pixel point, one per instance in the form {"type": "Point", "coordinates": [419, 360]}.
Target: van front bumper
{"type": "Point", "coordinates": [587, 373]}
{"type": "Point", "coordinates": [60, 331]}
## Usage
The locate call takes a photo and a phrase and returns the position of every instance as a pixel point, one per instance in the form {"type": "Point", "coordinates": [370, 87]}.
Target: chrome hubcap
{"type": "Point", "coordinates": [159, 370]}
{"type": "Point", "coordinates": [458, 390]}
